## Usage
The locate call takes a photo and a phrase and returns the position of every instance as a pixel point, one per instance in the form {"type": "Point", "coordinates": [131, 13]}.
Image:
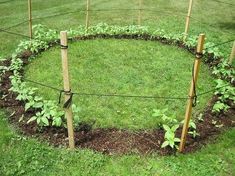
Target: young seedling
{"type": "Point", "coordinates": [170, 139]}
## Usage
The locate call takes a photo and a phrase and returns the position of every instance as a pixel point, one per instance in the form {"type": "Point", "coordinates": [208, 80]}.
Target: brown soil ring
{"type": "Point", "coordinates": [111, 140]}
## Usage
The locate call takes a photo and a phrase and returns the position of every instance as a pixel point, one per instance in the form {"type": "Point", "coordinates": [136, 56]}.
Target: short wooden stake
{"type": "Point", "coordinates": [68, 111]}
{"type": "Point", "coordinates": [140, 12]}
{"type": "Point", "coordinates": [188, 112]}
{"type": "Point", "coordinates": [232, 55]}
{"type": "Point", "coordinates": [188, 19]}
{"type": "Point", "coordinates": [30, 18]}
{"type": "Point", "coordinates": [87, 14]}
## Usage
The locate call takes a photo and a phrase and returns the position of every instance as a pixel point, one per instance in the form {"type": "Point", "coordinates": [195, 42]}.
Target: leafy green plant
{"type": "Point", "coordinates": [194, 133]}
{"type": "Point", "coordinates": [210, 49]}
{"type": "Point", "coordinates": [40, 119]}
{"type": "Point", "coordinates": [192, 124]}
{"type": "Point", "coordinates": [76, 110]}
{"type": "Point", "coordinates": [167, 120]}
{"type": "Point", "coordinates": [170, 139]}
{"type": "Point", "coordinates": [192, 128]}
{"type": "Point", "coordinates": [200, 117]}
{"type": "Point", "coordinates": [224, 70]}
{"type": "Point", "coordinates": [43, 37]}
{"type": "Point", "coordinates": [16, 63]}
{"type": "Point", "coordinates": [3, 69]}
{"type": "Point", "coordinates": [49, 112]}
{"type": "Point", "coordinates": [224, 92]}
{"type": "Point", "coordinates": [191, 41]}
{"type": "Point", "coordinates": [219, 107]}
{"type": "Point", "coordinates": [34, 102]}
{"type": "Point", "coordinates": [215, 123]}
{"type": "Point", "coordinates": [42, 33]}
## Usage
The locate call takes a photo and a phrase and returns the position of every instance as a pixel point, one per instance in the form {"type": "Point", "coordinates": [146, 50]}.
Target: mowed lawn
{"type": "Point", "coordinates": [20, 155]}
{"type": "Point", "coordinates": [214, 19]}
{"type": "Point", "coordinates": [23, 156]}
{"type": "Point", "coordinates": [123, 67]}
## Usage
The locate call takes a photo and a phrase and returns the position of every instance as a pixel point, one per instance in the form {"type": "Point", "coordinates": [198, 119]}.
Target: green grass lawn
{"type": "Point", "coordinates": [23, 156]}
{"type": "Point", "coordinates": [126, 67]}
{"type": "Point", "coordinates": [168, 15]}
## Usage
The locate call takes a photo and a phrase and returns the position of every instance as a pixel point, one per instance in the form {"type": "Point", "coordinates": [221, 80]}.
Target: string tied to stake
{"type": "Point", "coordinates": [194, 98]}
{"type": "Point", "coordinates": [68, 103]}
{"type": "Point", "coordinates": [64, 46]}
{"type": "Point", "coordinates": [199, 55]}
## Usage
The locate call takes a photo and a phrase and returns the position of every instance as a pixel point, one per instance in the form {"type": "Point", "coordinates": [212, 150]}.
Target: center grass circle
{"type": "Point", "coordinates": [126, 67]}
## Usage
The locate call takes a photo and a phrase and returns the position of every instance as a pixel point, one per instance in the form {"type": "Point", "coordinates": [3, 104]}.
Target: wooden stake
{"type": "Point", "coordinates": [87, 14]}
{"type": "Point", "coordinates": [140, 9]}
{"type": "Point", "coordinates": [188, 19]}
{"type": "Point", "coordinates": [188, 112]}
{"type": "Point", "coordinates": [232, 54]}
{"type": "Point", "coordinates": [68, 111]}
{"type": "Point", "coordinates": [30, 19]}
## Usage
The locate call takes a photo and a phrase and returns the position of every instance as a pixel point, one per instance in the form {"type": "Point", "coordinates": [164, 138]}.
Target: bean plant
{"type": "Point", "coordinates": [170, 139]}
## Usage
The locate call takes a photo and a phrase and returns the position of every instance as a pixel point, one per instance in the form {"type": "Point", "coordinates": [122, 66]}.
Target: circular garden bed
{"type": "Point", "coordinates": [111, 60]}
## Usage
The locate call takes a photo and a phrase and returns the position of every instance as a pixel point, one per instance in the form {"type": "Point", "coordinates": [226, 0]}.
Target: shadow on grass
{"type": "Point", "coordinates": [228, 25]}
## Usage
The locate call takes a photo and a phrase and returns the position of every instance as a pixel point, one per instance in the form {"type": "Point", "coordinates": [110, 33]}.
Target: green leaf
{"type": "Point", "coordinates": [166, 127]}
{"type": "Point", "coordinates": [57, 121]}
{"type": "Point", "coordinates": [166, 143]}
{"type": "Point", "coordinates": [45, 121]}
{"type": "Point", "coordinates": [27, 106]}
{"type": "Point", "coordinates": [38, 120]}
{"type": "Point", "coordinates": [37, 98]}
{"type": "Point", "coordinates": [193, 125]}
{"type": "Point", "coordinates": [38, 105]}
{"type": "Point", "coordinates": [177, 140]}
{"type": "Point", "coordinates": [156, 113]}
{"type": "Point", "coordinates": [175, 127]}
{"type": "Point", "coordinates": [32, 119]}
{"type": "Point", "coordinates": [172, 144]}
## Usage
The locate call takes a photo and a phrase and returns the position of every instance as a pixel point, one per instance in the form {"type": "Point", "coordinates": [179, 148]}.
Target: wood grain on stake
{"type": "Point", "coordinates": [188, 112]}
{"type": "Point", "coordinates": [68, 111]}
{"type": "Point", "coordinates": [30, 19]}
{"type": "Point", "coordinates": [188, 19]}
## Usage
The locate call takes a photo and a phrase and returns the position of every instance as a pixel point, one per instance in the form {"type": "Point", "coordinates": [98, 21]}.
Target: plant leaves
{"type": "Point", "coordinates": [45, 121]}
{"type": "Point", "coordinates": [166, 143]}
{"type": "Point", "coordinates": [32, 119]}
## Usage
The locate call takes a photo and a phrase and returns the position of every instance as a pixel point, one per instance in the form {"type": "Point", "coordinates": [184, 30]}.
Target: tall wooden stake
{"type": "Point", "coordinates": [188, 19]}
{"type": "Point", "coordinates": [30, 19]}
{"type": "Point", "coordinates": [232, 55]}
{"type": "Point", "coordinates": [140, 10]}
{"type": "Point", "coordinates": [68, 111]}
{"type": "Point", "coordinates": [87, 14]}
{"type": "Point", "coordinates": [188, 112]}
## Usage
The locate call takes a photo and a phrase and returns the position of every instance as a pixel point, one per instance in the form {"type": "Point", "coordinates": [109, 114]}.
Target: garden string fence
{"type": "Point", "coordinates": [192, 98]}
{"type": "Point", "coordinates": [140, 14]}
{"type": "Point", "coordinates": [60, 91]}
